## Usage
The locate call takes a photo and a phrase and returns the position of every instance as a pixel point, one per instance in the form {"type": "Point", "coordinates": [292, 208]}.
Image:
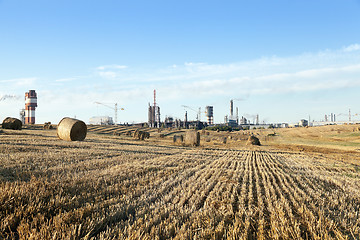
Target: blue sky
{"type": "Point", "coordinates": [285, 60]}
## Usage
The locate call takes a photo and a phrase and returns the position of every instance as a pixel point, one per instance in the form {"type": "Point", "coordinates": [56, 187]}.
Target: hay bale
{"type": "Point", "coordinates": [253, 141]}
{"type": "Point", "coordinates": [12, 123]}
{"type": "Point", "coordinates": [47, 125]}
{"type": "Point", "coordinates": [146, 135]}
{"type": "Point", "coordinates": [192, 138]}
{"type": "Point", "coordinates": [141, 135]}
{"type": "Point", "coordinates": [178, 139]}
{"type": "Point", "coordinates": [71, 129]}
{"type": "Point", "coordinates": [136, 133]}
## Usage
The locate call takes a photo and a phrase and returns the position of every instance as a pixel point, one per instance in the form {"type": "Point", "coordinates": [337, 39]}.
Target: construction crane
{"type": "Point", "coordinates": [198, 113]}
{"type": "Point", "coordinates": [348, 114]}
{"type": "Point", "coordinates": [115, 108]}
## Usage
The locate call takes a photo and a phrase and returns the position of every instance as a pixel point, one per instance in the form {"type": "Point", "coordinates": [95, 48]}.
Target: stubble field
{"type": "Point", "coordinates": [110, 187]}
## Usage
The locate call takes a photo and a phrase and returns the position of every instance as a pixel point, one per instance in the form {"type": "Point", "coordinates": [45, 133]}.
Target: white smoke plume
{"type": "Point", "coordinates": [9, 97]}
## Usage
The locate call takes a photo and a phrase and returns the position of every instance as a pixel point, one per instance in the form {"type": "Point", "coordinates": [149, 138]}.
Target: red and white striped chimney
{"type": "Point", "coordinates": [30, 105]}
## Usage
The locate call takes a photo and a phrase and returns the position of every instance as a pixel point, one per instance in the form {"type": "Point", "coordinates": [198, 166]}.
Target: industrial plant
{"type": "Point", "coordinates": [231, 121]}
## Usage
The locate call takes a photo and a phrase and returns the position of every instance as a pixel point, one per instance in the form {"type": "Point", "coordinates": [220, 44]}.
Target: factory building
{"type": "Point", "coordinates": [243, 121]}
{"type": "Point", "coordinates": [154, 114]}
{"type": "Point", "coordinates": [22, 115]}
{"type": "Point", "coordinates": [101, 120]}
{"type": "Point", "coordinates": [30, 105]}
{"type": "Point", "coordinates": [303, 123]}
{"type": "Point", "coordinates": [232, 120]}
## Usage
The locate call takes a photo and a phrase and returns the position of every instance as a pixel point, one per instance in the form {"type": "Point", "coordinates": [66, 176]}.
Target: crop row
{"type": "Point", "coordinates": [108, 188]}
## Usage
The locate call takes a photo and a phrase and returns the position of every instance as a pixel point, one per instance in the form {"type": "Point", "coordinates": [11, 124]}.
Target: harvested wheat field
{"type": "Point", "coordinates": [116, 187]}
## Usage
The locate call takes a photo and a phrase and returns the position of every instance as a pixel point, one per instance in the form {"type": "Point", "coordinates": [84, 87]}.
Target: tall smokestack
{"type": "Point", "coordinates": [30, 105]}
{"type": "Point", "coordinates": [231, 108]}
{"type": "Point", "coordinates": [237, 115]}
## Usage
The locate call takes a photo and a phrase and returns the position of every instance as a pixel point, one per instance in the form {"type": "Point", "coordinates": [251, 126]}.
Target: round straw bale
{"type": "Point", "coordinates": [12, 123]}
{"type": "Point", "coordinates": [253, 141]}
{"type": "Point", "coordinates": [47, 125]}
{"type": "Point", "coordinates": [146, 135]}
{"type": "Point", "coordinates": [192, 138]}
{"type": "Point", "coordinates": [178, 139]}
{"type": "Point", "coordinates": [70, 129]}
{"type": "Point", "coordinates": [141, 135]}
{"type": "Point", "coordinates": [136, 133]}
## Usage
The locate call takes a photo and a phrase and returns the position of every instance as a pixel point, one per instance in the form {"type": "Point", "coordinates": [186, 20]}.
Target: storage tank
{"type": "Point", "coordinates": [209, 111]}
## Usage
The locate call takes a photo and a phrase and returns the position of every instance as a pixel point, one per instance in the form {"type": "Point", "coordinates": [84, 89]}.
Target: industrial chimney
{"type": "Point", "coordinates": [30, 105]}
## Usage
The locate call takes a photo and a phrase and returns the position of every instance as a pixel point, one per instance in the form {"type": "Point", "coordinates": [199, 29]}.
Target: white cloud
{"type": "Point", "coordinates": [114, 66]}
{"type": "Point", "coordinates": [108, 74]}
{"type": "Point", "coordinates": [20, 81]}
{"type": "Point", "coordinates": [308, 72]}
{"type": "Point", "coordinates": [201, 82]}
{"type": "Point", "coordinates": [351, 48]}
{"type": "Point", "coordinates": [66, 79]}
{"type": "Point", "coordinates": [111, 72]}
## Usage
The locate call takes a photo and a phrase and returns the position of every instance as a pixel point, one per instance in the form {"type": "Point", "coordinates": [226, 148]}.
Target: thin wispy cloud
{"type": "Point", "coordinates": [20, 81]}
{"type": "Point", "coordinates": [113, 66]}
{"type": "Point", "coordinates": [108, 74]}
{"type": "Point", "coordinates": [69, 79]}
{"type": "Point", "coordinates": [267, 75]}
